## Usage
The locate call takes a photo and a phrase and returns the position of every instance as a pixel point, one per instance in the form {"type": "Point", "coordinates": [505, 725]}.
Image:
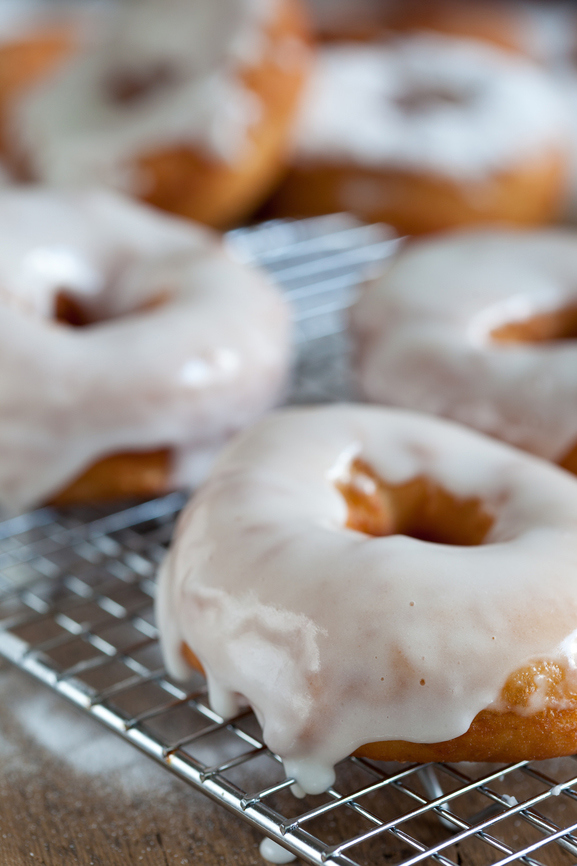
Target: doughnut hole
{"type": "Point", "coordinates": [68, 310]}
{"type": "Point", "coordinates": [420, 508]}
{"type": "Point", "coordinates": [417, 100]}
{"type": "Point", "coordinates": [569, 462]}
{"type": "Point", "coordinates": [128, 86]}
{"type": "Point", "coordinates": [550, 327]}
{"type": "Point", "coordinates": [119, 476]}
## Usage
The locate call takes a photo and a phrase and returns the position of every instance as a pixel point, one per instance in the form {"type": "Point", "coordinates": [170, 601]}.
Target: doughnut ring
{"type": "Point", "coordinates": [131, 347]}
{"type": "Point", "coordinates": [376, 581]}
{"type": "Point", "coordinates": [184, 105]}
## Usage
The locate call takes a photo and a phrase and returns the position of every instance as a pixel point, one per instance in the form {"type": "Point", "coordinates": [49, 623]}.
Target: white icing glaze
{"type": "Point", "coordinates": [184, 375]}
{"type": "Point", "coordinates": [496, 110]}
{"type": "Point", "coordinates": [275, 853]}
{"type": "Point", "coordinates": [73, 131]}
{"type": "Point", "coordinates": [338, 639]}
{"type": "Point", "coordinates": [423, 334]}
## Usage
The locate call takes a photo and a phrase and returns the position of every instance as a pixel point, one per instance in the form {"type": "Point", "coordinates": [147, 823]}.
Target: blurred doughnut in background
{"type": "Point", "coordinates": [426, 132]}
{"type": "Point", "coordinates": [187, 106]}
{"type": "Point", "coordinates": [478, 326]}
{"type": "Point", "coordinates": [196, 106]}
{"type": "Point", "coordinates": [132, 346]}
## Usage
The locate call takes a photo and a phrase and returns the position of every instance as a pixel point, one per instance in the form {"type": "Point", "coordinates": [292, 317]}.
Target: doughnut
{"type": "Point", "coordinates": [131, 347]}
{"type": "Point", "coordinates": [184, 105]}
{"type": "Point", "coordinates": [381, 582]}
{"type": "Point", "coordinates": [478, 326]}
{"type": "Point", "coordinates": [425, 133]}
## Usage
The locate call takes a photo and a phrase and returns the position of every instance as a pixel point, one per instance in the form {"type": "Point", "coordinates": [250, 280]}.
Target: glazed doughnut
{"type": "Point", "coordinates": [181, 347]}
{"type": "Point", "coordinates": [425, 133]}
{"type": "Point", "coordinates": [382, 582]}
{"type": "Point", "coordinates": [477, 326]}
{"type": "Point", "coordinates": [185, 105]}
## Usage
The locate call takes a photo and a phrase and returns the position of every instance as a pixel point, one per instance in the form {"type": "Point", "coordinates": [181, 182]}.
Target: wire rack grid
{"type": "Point", "coordinates": [76, 597]}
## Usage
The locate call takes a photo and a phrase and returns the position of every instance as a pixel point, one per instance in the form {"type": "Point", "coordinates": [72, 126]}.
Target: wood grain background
{"type": "Point", "coordinates": [120, 810]}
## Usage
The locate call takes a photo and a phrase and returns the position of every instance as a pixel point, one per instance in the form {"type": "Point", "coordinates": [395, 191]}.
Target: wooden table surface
{"type": "Point", "coordinates": [72, 792]}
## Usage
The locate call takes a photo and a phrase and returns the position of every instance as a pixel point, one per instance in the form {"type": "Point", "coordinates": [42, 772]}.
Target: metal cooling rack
{"type": "Point", "coordinates": [76, 591]}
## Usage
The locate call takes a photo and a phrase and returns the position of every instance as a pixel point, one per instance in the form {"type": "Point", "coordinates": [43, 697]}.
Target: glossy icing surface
{"type": "Point", "coordinates": [337, 638]}
{"type": "Point", "coordinates": [205, 360]}
{"type": "Point", "coordinates": [163, 74]}
{"type": "Point", "coordinates": [431, 103]}
{"type": "Point", "coordinates": [424, 334]}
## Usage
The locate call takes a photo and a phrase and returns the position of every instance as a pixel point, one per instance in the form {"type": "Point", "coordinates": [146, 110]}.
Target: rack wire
{"type": "Point", "coordinates": [76, 593]}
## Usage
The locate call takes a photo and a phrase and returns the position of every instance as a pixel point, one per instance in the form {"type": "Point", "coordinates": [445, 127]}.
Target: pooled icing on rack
{"type": "Point", "coordinates": [337, 639]}
{"type": "Point", "coordinates": [429, 103]}
{"type": "Point", "coordinates": [208, 358]}
{"type": "Point", "coordinates": [424, 334]}
{"type": "Point", "coordinates": [164, 74]}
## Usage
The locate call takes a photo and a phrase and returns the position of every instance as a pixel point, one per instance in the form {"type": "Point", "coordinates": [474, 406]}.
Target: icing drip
{"type": "Point", "coordinates": [431, 103]}
{"type": "Point", "coordinates": [163, 74]}
{"type": "Point", "coordinates": [337, 638]}
{"type": "Point", "coordinates": [274, 853]}
{"type": "Point", "coordinates": [186, 345]}
{"type": "Point", "coordinates": [426, 334]}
